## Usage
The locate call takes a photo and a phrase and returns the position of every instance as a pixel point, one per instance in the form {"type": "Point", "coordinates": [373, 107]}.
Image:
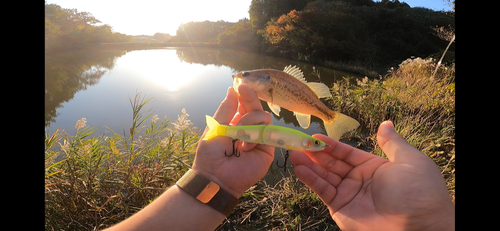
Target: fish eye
{"type": "Point", "coordinates": [245, 73]}
{"type": "Point", "coordinates": [316, 143]}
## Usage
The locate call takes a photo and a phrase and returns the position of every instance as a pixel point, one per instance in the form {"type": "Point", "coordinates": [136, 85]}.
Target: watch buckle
{"type": "Point", "coordinates": [208, 192]}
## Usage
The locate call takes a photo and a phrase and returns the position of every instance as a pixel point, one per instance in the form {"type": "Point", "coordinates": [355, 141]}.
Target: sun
{"type": "Point", "coordinates": [167, 72]}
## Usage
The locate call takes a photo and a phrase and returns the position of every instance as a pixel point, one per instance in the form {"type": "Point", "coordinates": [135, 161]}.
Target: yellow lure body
{"type": "Point", "coordinates": [277, 136]}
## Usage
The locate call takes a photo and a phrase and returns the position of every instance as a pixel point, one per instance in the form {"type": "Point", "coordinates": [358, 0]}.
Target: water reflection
{"type": "Point", "coordinates": [69, 72]}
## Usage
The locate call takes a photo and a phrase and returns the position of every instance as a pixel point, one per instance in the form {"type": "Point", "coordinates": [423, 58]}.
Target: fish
{"type": "Point", "coordinates": [289, 89]}
{"type": "Point", "coordinates": [274, 135]}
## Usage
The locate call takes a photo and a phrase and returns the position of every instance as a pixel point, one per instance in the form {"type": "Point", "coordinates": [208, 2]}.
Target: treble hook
{"type": "Point", "coordinates": [235, 150]}
{"type": "Point", "coordinates": [286, 158]}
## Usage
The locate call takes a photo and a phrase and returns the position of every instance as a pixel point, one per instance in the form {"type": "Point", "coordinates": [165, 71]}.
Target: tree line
{"type": "Point", "coordinates": [66, 28]}
{"type": "Point", "coordinates": [379, 33]}
{"type": "Point", "coordinates": [318, 31]}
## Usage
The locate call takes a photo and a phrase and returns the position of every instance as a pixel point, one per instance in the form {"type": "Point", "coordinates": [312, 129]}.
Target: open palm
{"type": "Point", "coordinates": [236, 174]}
{"type": "Point", "coordinates": [366, 192]}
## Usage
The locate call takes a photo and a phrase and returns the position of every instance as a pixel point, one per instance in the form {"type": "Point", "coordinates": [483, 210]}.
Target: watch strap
{"type": "Point", "coordinates": [207, 192]}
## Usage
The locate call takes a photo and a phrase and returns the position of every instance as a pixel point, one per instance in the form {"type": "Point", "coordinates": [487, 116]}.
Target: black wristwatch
{"type": "Point", "coordinates": [207, 192]}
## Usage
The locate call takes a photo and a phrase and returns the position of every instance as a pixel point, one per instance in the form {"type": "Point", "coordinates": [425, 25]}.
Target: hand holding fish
{"type": "Point", "coordinates": [366, 192]}
{"type": "Point", "coordinates": [236, 174]}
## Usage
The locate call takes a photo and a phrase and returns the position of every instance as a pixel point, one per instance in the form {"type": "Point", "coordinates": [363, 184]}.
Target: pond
{"type": "Point", "coordinates": [98, 84]}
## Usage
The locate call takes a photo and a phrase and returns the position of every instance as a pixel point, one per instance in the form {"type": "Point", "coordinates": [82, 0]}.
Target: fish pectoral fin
{"type": "Point", "coordinates": [304, 119]}
{"type": "Point", "coordinates": [320, 89]}
{"type": "Point", "coordinates": [274, 108]}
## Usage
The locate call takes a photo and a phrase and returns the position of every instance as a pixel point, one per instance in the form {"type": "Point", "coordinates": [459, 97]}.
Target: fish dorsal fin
{"type": "Point", "coordinates": [274, 108]}
{"type": "Point", "coordinates": [295, 72]}
{"type": "Point", "coordinates": [320, 89]}
{"type": "Point", "coordinates": [304, 119]}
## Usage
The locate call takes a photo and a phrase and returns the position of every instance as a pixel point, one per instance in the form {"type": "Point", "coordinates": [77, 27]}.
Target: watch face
{"type": "Point", "coordinates": [208, 192]}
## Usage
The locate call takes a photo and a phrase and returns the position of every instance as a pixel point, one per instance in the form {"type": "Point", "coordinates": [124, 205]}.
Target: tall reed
{"type": "Point", "coordinates": [92, 182]}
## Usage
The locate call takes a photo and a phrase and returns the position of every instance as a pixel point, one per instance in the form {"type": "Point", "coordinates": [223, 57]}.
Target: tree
{"type": "Point", "coordinates": [205, 31]}
{"type": "Point", "coordinates": [161, 37]}
{"type": "Point", "coordinates": [261, 11]}
{"type": "Point", "coordinates": [239, 35]}
{"type": "Point", "coordinates": [66, 28]}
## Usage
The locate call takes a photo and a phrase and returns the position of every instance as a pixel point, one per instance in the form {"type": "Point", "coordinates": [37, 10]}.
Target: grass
{"type": "Point", "coordinates": [421, 106]}
{"type": "Point", "coordinates": [93, 182]}
{"type": "Point", "coordinates": [289, 205]}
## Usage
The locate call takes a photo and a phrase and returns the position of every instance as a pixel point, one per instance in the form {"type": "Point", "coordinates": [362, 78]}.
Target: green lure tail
{"type": "Point", "coordinates": [278, 136]}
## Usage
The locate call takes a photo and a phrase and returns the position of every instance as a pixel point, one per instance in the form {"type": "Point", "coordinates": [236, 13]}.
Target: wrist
{"type": "Point", "coordinates": [207, 192]}
{"type": "Point", "coordinates": [219, 182]}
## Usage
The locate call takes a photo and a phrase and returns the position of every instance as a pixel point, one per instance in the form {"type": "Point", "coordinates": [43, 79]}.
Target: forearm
{"type": "Point", "coordinates": [173, 210]}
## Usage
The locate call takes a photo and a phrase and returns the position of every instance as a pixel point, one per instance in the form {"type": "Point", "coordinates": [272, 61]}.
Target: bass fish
{"type": "Point", "coordinates": [290, 90]}
{"type": "Point", "coordinates": [281, 137]}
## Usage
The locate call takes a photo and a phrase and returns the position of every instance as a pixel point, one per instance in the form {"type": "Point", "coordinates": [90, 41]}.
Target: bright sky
{"type": "Point", "coordinates": [150, 16]}
{"type": "Point", "coordinates": [436, 5]}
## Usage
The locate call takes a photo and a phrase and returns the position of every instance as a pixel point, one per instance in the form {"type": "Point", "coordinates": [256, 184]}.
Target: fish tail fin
{"type": "Point", "coordinates": [340, 125]}
{"type": "Point", "coordinates": [213, 126]}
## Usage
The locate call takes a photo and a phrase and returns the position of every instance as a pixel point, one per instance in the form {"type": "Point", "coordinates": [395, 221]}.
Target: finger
{"type": "Point", "coordinates": [315, 177]}
{"type": "Point", "coordinates": [249, 101]}
{"type": "Point", "coordinates": [227, 107]}
{"type": "Point", "coordinates": [349, 156]}
{"type": "Point", "coordinates": [394, 145]}
{"type": "Point", "coordinates": [256, 118]}
{"type": "Point", "coordinates": [299, 158]}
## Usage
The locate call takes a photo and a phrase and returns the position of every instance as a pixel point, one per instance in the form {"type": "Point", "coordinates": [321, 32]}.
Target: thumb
{"type": "Point", "coordinates": [227, 107]}
{"type": "Point", "coordinates": [394, 145]}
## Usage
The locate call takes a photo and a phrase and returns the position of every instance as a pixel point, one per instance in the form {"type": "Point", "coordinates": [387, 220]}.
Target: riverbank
{"type": "Point", "coordinates": [92, 182]}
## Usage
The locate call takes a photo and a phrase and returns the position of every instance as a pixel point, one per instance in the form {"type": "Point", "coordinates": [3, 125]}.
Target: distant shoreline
{"type": "Point", "coordinates": [350, 66]}
{"type": "Point", "coordinates": [136, 45]}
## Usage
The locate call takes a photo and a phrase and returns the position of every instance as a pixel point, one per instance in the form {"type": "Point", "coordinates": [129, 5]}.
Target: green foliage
{"type": "Point", "coordinates": [379, 33]}
{"type": "Point", "coordinates": [240, 35]}
{"type": "Point", "coordinates": [65, 28]}
{"type": "Point", "coordinates": [92, 182]}
{"type": "Point", "coordinates": [205, 31]}
{"type": "Point", "coordinates": [261, 11]}
{"type": "Point", "coordinates": [339, 30]}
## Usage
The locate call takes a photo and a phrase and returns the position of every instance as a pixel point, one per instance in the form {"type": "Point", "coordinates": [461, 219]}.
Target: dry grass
{"type": "Point", "coordinates": [290, 205]}
{"type": "Point", "coordinates": [422, 108]}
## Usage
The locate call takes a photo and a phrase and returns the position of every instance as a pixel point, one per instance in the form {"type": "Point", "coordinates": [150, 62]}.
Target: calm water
{"type": "Point", "coordinates": [97, 85]}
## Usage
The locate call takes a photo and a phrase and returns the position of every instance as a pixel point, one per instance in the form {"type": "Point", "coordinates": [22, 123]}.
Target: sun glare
{"type": "Point", "coordinates": [166, 71]}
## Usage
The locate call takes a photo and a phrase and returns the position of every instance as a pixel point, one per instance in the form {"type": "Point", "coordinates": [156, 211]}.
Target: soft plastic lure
{"type": "Point", "coordinates": [281, 137]}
